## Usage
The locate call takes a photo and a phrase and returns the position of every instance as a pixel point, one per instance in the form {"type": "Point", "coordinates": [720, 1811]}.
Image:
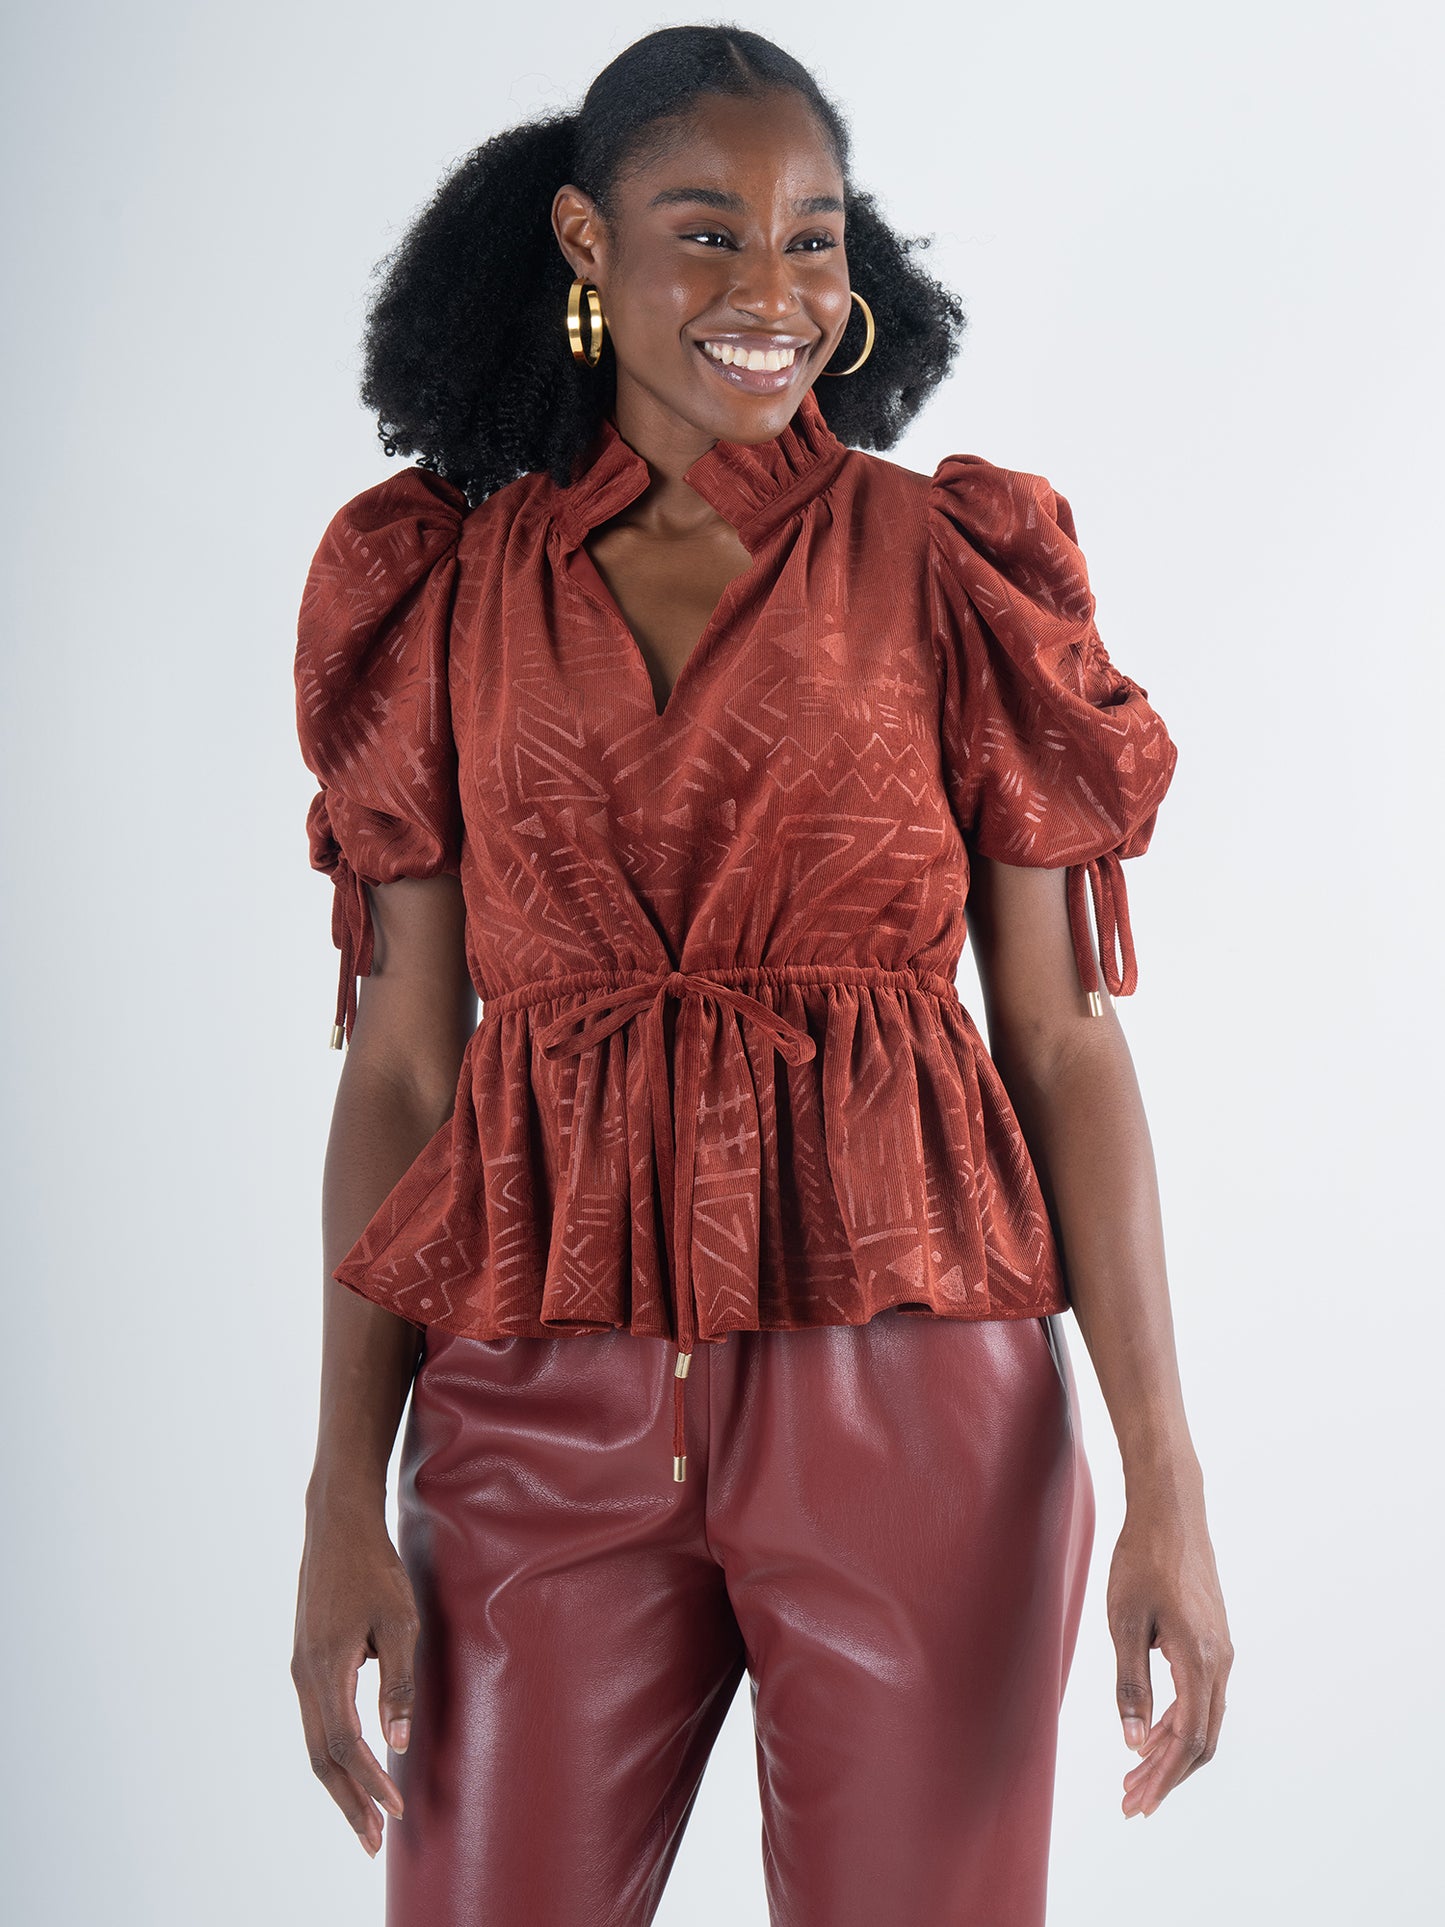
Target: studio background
{"type": "Point", "coordinates": [1205, 302]}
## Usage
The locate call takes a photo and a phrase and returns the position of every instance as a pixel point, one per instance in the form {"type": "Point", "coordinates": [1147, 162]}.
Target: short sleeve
{"type": "Point", "coordinates": [1052, 757]}
{"type": "Point", "coordinates": [372, 709]}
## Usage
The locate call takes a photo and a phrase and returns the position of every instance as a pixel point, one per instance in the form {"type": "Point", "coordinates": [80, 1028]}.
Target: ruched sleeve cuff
{"type": "Point", "coordinates": [1052, 757]}
{"type": "Point", "coordinates": [373, 714]}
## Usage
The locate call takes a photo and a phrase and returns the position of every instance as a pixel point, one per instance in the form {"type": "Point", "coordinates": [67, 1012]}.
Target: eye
{"type": "Point", "coordinates": [811, 244]}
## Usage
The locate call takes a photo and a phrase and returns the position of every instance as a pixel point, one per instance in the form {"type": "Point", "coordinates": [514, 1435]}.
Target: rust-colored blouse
{"type": "Point", "coordinates": [722, 1078]}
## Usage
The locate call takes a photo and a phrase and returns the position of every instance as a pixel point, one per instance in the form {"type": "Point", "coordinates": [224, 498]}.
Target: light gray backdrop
{"type": "Point", "coordinates": [1200, 252]}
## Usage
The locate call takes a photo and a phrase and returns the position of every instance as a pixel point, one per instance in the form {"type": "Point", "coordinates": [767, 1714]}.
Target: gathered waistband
{"type": "Point", "coordinates": [543, 990]}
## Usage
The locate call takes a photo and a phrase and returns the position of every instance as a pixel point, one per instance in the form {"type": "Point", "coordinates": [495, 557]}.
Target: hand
{"type": "Point", "coordinates": [354, 1602]}
{"type": "Point", "coordinates": [1164, 1592]}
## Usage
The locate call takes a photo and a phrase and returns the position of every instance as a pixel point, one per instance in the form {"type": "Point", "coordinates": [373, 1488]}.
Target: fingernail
{"type": "Point", "coordinates": [400, 1735]}
{"type": "Point", "coordinates": [1134, 1733]}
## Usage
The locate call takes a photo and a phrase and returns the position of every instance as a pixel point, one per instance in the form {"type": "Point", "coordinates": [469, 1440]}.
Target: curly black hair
{"type": "Point", "coordinates": [466, 361]}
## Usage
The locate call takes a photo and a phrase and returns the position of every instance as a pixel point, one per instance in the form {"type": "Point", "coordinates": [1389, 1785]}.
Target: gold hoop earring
{"type": "Point", "coordinates": [592, 354]}
{"type": "Point", "coordinates": [868, 339]}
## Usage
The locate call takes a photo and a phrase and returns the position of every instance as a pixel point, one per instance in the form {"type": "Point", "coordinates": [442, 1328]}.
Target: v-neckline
{"type": "Point", "coordinates": [595, 584]}
{"type": "Point", "coordinates": [756, 486]}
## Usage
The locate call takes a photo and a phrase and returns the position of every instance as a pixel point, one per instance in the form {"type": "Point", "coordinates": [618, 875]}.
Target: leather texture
{"type": "Point", "coordinates": [886, 1530]}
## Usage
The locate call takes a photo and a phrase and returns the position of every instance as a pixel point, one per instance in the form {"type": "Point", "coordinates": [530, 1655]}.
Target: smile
{"type": "Point", "coordinates": [762, 369]}
{"type": "Point", "coordinates": [742, 357]}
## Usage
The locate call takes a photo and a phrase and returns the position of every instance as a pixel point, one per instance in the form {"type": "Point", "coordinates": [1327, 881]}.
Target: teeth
{"type": "Point", "coordinates": [731, 357]}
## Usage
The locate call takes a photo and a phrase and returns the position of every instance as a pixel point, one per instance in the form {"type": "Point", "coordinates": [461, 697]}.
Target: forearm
{"type": "Point", "coordinates": [368, 1354]}
{"type": "Point", "coordinates": [1084, 1121]}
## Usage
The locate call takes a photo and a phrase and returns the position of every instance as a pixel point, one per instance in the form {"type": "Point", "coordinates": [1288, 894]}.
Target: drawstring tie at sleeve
{"type": "Point", "coordinates": [351, 932]}
{"type": "Point", "coordinates": [674, 1121]}
{"type": "Point", "coordinates": [1111, 915]}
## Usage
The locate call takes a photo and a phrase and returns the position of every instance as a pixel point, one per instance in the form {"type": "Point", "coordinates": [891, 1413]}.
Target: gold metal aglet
{"type": "Point", "coordinates": [338, 1036]}
{"type": "Point", "coordinates": [679, 1370]}
{"type": "Point", "coordinates": [679, 1466]}
{"type": "Point", "coordinates": [1096, 1004]}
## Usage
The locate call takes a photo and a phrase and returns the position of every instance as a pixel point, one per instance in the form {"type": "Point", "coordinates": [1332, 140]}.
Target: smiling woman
{"type": "Point", "coordinates": [716, 359]}
{"type": "Point", "coordinates": [653, 709]}
{"type": "Point", "coordinates": [671, 156]}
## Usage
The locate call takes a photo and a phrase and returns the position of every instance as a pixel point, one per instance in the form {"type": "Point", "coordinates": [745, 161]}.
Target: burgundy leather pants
{"type": "Point", "coordinates": [887, 1526]}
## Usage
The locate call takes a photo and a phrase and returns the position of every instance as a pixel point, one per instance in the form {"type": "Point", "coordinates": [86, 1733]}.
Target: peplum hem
{"type": "Point", "coordinates": [686, 1153]}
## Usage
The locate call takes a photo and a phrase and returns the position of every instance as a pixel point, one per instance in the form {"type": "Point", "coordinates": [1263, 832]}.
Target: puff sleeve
{"type": "Point", "coordinates": [372, 709]}
{"type": "Point", "coordinates": [1052, 756]}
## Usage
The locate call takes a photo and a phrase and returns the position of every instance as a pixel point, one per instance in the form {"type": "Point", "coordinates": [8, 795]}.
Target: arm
{"type": "Point", "coordinates": [1071, 1081]}
{"type": "Point", "coordinates": [398, 1083]}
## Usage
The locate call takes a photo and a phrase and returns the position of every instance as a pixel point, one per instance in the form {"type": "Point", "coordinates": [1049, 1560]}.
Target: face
{"type": "Point", "coordinates": [733, 238]}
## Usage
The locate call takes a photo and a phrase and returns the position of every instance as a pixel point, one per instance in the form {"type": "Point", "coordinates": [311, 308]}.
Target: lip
{"type": "Point", "coordinates": [757, 381]}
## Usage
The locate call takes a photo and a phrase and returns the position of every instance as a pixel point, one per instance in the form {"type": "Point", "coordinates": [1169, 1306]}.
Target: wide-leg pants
{"type": "Point", "coordinates": [887, 1526]}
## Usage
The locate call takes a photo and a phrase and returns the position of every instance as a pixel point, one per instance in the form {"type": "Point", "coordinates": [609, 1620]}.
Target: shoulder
{"type": "Point", "coordinates": [1005, 511]}
{"type": "Point", "coordinates": [513, 513]}
{"type": "Point", "coordinates": [377, 547]}
{"type": "Point", "coordinates": [390, 520]}
{"type": "Point", "coordinates": [1001, 510]}
{"type": "Point", "coordinates": [1000, 533]}
{"type": "Point", "coordinates": [405, 541]}
{"type": "Point", "coordinates": [374, 612]}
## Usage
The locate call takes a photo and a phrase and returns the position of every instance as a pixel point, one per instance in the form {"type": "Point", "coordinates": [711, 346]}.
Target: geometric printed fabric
{"type": "Point", "coordinates": [722, 1078]}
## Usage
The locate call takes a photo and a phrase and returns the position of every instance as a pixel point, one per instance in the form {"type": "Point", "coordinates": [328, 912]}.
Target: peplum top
{"type": "Point", "coordinates": [722, 1078]}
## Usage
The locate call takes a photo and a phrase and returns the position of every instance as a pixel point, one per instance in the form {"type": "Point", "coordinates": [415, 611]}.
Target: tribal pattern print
{"type": "Point", "coordinates": [722, 1078]}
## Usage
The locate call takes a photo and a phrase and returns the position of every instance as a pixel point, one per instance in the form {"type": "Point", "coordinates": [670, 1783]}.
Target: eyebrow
{"type": "Point", "coordinates": [735, 204]}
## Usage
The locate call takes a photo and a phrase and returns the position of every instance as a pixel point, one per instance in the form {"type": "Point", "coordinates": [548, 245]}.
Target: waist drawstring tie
{"type": "Point", "coordinates": [674, 1122]}
{"type": "Point", "coordinates": [1111, 915]}
{"type": "Point", "coordinates": [351, 932]}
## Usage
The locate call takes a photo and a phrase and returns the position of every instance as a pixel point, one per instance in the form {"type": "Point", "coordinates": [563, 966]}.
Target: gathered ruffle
{"type": "Point", "coordinates": [373, 704]}
{"type": "Point", "coordinates": [883, 1167]}
{"type": "Point", "coordinates": [752, 484]}
{"type": "Point", "coordinates": [1053, 756]}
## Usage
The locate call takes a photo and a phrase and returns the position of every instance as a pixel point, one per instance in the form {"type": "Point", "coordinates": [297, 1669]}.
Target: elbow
{"type": "Point", "coordinates": [1042, 1050]}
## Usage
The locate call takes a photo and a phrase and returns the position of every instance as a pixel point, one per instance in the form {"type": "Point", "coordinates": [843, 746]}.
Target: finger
{"type": "Point", "coordinates": [1158, 1735]}
{"type": "Point", "coordinates": [1216, 1717]}
{"type": "Point", "coordinates": [345, 1741]}
{"type": "Point", "coordinates": [1153, 1738]}
{"type": "Point", "coordinates": [1187, 1725]}
{"type": "Point", "coordinates": [1133, 1689]}
{"type": "Point", "coordinates": [338, 1783]}
{"type": "Point", "coordinates": [395, 1653]}
{"type": "Point", "coordinates": [1162, 1773]}
{"type": "Point", "coordinates": [1195, 1674]}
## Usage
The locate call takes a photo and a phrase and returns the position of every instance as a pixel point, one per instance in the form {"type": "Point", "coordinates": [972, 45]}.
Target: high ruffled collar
{"type": "Point", "coordinates": [753, 485]}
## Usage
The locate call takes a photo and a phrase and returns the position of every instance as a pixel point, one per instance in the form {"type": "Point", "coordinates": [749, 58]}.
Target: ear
{"type": "Point", "coordinates": [577, 224]}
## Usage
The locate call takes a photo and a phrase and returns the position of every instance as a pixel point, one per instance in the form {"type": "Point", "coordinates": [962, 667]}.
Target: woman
{"type": "Point", "coordinates": [654, 709]}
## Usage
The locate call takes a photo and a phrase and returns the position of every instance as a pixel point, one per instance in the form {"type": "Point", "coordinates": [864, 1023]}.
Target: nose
{"type": "Point", "coordinates": [767, 289]}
